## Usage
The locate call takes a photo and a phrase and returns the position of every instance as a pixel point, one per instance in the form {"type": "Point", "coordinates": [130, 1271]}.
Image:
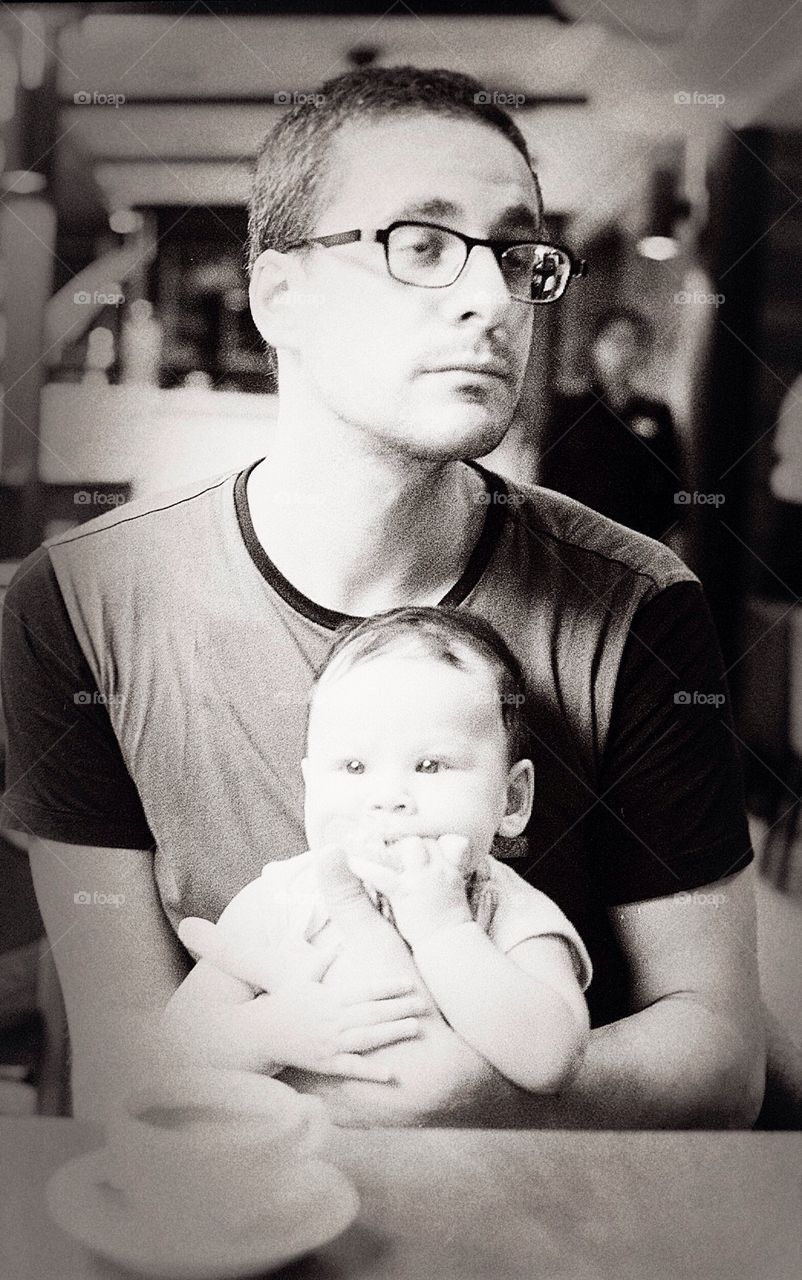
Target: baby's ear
{"type": "Point", "coordinates": [520, 796]}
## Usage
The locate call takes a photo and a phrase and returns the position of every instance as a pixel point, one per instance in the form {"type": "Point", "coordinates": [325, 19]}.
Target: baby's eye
{"type": "Point", "coordinates": [354, 766]}
{"type": "Point", "coordinates": [427, 765]}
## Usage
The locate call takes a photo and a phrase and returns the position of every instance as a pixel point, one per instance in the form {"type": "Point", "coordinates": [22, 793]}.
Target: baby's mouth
{"type": "Point", "coordinates": [392, 835]}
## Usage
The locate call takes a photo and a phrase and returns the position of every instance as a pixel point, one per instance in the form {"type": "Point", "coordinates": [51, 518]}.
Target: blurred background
{"type": "Point", "coordinates": [668, 139]}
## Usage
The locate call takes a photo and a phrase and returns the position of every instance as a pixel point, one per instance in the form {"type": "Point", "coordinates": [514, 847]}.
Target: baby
{"type": "Point", "coordinates": [416, 765]}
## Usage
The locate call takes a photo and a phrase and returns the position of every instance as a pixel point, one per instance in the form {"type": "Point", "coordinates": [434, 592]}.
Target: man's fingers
{"type": "Point", "coordinates": [387, 990]}
{"type": "Point", "coordinates": [353, 1067]}
{"type": "Point", "coordinates": [373, 1012]}
{"type": "Point", "coordinates": [198, 936]}
{"type": "Point", "coordinates": [320, 961]}
{"type": "Point", "coordinates": [363, 1039]}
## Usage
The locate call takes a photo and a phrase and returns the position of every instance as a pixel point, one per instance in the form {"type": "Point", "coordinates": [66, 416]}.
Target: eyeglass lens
{"type": "Point", "coordinates": [432, 257]}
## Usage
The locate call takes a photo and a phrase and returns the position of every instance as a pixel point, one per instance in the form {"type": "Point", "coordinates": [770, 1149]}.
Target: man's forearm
{"type": "Point", "coordinates": [673, 1065]}
{"type": "Point", "coordinates": [228, 1036]}
{"type": "Point", "coordinates": [114, 1056]}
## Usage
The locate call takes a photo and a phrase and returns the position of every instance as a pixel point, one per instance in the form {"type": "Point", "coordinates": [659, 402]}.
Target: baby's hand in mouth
{"type": "Point", "coordinates": [456, 851]}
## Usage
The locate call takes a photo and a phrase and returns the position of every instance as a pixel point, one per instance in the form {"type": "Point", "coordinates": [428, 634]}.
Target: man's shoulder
{"type": "Point", "coordinates": [583, 541]}
{"type": "Point", "coordinates": [142, 517]}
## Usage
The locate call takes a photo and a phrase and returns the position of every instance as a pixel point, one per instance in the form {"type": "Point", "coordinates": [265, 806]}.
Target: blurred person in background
{"type": "Point", "coordinates": [612, 447]}
{"type": "Point", "coordinates": [785, 482]}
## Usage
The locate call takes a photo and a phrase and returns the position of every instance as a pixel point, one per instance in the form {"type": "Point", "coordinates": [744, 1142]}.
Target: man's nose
{"type": "Point", "coordinates": [484, 289]}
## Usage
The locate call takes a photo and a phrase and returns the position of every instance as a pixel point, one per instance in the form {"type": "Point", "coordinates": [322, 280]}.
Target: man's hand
{"type": "Point", "coordinates": [314, 1029]}
{"type": "Point", "coordinates": [299, 1023]}
{"type": "Point", "coordinates": [266, 968]}
{"type": "Point", "coordinates": [425, 887]}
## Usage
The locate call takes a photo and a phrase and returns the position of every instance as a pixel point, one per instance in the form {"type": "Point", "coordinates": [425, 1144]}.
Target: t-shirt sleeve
{"type": "Point", "coordinates": [65, 776]}
{"type": "Point", "coordinates": [670, 813]}
{"type": "Point", "coordinates": [523, 912]}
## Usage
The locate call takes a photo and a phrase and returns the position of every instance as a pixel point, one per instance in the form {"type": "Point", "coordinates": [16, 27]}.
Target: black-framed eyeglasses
{"type": "Point", "coordinates": [433, 257]}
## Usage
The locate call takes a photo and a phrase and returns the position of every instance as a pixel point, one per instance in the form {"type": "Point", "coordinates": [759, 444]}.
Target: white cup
{"type": "Point", "coordinates": [212, 1148]}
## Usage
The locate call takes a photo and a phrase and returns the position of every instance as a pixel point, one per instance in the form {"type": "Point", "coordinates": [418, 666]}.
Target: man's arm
{"type": "Point", "coordinates": [693, 1053]}
{"type": "Point", "coordinates": [691, 1056]}
{"type": "Point", "coordinates": [117, 959]}
{"type": "Point", "coordinates": [275, 1013]}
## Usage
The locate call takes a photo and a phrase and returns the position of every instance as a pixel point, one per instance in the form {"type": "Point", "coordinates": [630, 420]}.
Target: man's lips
{"type": "Point", "coordinates": [483, 370]}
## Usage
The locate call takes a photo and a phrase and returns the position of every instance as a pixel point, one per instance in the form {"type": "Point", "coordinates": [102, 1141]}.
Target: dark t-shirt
{"type": "Point", "coordinates": [624, 464]}
{"type": "Point", "coordinates": [156, 667]}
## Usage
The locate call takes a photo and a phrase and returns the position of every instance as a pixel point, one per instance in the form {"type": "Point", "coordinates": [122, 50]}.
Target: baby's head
{"type": "Point", "coordinates": [417, 727]}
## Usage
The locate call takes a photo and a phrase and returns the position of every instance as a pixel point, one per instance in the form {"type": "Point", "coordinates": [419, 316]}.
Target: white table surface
{"type": "Point", "coordinates": [464, 1204]}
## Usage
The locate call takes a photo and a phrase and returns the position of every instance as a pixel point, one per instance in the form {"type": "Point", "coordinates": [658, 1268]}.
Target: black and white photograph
{"type": "Point", "coordinates": [401, 646]}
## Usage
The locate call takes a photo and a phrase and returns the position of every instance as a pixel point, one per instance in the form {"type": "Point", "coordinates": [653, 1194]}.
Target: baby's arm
{"type": "Point", "coordinates": [524, 1011]}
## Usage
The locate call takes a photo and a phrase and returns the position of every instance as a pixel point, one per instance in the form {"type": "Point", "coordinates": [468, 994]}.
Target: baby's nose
{"type": "Point", "coordinates": [389, 803]}
{"type": "Point", "coordinates": [389, 795]}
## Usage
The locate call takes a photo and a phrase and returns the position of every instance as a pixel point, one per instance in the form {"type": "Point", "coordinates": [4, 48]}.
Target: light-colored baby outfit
{"type": "Point", "coordinates": [285, 903]}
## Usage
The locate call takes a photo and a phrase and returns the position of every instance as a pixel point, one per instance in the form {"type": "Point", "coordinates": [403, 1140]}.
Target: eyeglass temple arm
{"type": "Point", "coordinates": [342, 237]}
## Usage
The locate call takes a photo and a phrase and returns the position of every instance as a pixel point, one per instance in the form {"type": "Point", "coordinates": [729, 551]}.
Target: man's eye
{"type": "Point", "coordinates": [427, 765]}
{"type": "Point", "coordinates": [354, 766]}
{"type": "Point", "coordinates": [422, 245]}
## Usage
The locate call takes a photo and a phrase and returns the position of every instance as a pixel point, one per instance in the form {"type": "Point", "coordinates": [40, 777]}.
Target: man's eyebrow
{"type": "Point", "coordinates": [519, 219]}
{"type": "Point", "coordinates": [434, 208]}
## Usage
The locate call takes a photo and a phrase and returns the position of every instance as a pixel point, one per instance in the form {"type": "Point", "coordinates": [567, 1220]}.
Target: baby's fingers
{"type": "Point", "coordinates": [456, 850]}
{"type": "Point", "coordinates": [372, 873]}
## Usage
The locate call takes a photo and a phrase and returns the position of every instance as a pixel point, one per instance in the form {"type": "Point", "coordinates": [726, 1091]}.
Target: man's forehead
{"type": "Point", "coordinates": [433, 168]}
{"type": "Point", "coordinates": [515, 217]}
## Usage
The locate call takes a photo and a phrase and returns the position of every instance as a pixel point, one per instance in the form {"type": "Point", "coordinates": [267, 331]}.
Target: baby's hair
{"type": "Point", "coordinates": [452, 636]}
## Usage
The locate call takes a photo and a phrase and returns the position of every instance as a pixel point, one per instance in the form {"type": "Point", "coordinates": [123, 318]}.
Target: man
{"type": "Point", "coordinates": [611, 447]}
{"type": "Point", "coordinates": [158, 659]}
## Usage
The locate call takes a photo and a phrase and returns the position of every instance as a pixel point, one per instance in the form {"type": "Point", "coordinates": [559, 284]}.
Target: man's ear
{"type": "Point", "coordinates": [520, 796]}
{"type": "Point", "coordinates": [270, 297]}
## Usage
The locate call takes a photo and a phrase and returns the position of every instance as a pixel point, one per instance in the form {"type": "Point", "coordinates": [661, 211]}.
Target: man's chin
{"type": "Point", "coordinates": [453, 441]}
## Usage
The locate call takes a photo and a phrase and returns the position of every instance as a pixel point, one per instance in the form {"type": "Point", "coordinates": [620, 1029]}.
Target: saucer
{"type": "Point", "coordinates": [84, 1205]}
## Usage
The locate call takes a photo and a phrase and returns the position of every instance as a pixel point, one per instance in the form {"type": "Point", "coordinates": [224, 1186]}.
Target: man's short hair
{"type": "Point", "coordinates": [452, 636]}
{"type": "Point", "coordinates": [292, 164]}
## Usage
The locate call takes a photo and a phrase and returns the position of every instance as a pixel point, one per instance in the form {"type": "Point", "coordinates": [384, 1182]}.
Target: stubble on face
{"type": "Point", "coordinates": [374, 355]}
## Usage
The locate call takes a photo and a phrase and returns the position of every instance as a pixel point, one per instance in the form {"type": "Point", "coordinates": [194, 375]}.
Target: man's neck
{"type": "Point", "coordinates": [359, 530]}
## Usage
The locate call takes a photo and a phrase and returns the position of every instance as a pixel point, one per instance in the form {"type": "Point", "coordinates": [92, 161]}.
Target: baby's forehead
{"type": "Point", "coordinates": [414, 691]}
{"type": "Point", "coordinates": [457, 674]}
